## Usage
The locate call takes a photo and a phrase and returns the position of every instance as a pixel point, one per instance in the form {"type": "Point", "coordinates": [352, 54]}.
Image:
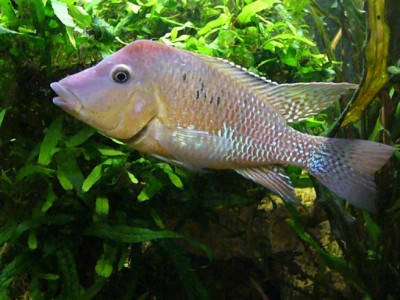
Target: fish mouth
{"type": "Point", "coordinates": [66, 98]}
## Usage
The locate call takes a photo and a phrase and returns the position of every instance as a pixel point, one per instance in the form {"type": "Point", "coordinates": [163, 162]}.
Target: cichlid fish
{"type": "Point", "coordinates": [203, 112]}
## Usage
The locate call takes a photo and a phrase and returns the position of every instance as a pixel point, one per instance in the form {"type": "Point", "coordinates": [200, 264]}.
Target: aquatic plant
{"type": "Point", "coordinates": [84, 217]}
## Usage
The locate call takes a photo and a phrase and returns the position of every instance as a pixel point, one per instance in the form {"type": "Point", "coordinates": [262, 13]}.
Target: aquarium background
{"type": "Point", "coordinates": [84, 217]}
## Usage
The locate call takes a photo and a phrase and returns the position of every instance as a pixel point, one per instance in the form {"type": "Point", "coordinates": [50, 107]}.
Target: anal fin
{"type": "Point", "coordinates": [273, 178]}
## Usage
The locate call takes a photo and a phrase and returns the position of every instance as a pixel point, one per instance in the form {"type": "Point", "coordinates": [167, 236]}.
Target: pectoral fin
{"type": "Point", "coordinates": [197, 149]}
{"type": "Point", "coordinates": [273, 178]}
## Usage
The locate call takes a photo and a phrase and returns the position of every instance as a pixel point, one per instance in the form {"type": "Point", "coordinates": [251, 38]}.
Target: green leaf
{"type": "Point", "coordinates": [312, 122]}
{"type": "Point", "coordinates": [133, 7]}
{"type": "Point", "coordinates": [80, 16]}
{"type": "Point", "coordinates": [7, 31]}
{"type": "Point", "coordinates": [61, 11]}
{"type": "Point", "coordinates": [48, 276]}
{"type": "Point", "coordinates": [50, 141]}
{"type": "Point", "coordinates": [37, 7]}
{"type": "Point", "coordinates": [6, 231]}
{"type": "Point", "coordinates": [2, 114]}
{"type": "Point", "coordinates": [288, 36]}
{"type": "Point", "coordinates": [32, 240]}
{"type": "Point", "coordinates": [127, 234]}
{"type": "Point", "coordinates": [81, 137]}
{"type": "Point", "coordinates": [172, 176]}
{"type": "Point", "coordinates": [69, 273]}
{"type": "Point", "coordinates": [29, 170]}
{"type": "Point", "coordinates": [251, 9]}
{"type": "Point", "coordinates": [219, 22]}
{"type": "Point", "coordinates": [68, 172]}
{"type": "Point", "coordinates": [7, 9]}
{"type": "Point", "coordinates": [152, 187]}
{"type": "Point", "coordinates": [51, 197]}
{"type": "Point", "coordinates": [71, 37]}
{"type": "Point", "coordinates": [17, 266]}
{"type": "Point", "coordinates": [376, 52]}
{"type": "Point", "coordinates": [393, 70]}
{"type": "Point", "coordinates": [334, 262]}
{"type": "Point", "coordinates": [92, 291]}
{"type": "Point", "coordinates": [92, 178]}
{"type": "Point", "coordinates": [110, 152]}
{"type": "Point", "coordinates": [194, 287]}
{"type": "Point", "coordinates": [132, 177]}
{"type": "Point", "coordinates": [102, 205]}
{"type": "Point", "coordinates": [373, 231]}
{"type": "Point", "coordinates": [104, 267]}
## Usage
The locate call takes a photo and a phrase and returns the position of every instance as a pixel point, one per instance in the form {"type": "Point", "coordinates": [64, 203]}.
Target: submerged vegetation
{"type": "Point", "coordinates": [84, 217]}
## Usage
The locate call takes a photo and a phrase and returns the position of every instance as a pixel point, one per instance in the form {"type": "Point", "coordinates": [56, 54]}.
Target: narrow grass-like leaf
{"type": "Point", "coordinates": [8, 31]}
{"type": "Point", "coordinates": [2, 114]}
{"type": "Point", "coordinates": [194, 287]}
{"type": "Point", "coordinates": [373, 231]}
{"type": "Point", "coordinates": [102, 206]}
{"type": "Point", "coordinates": [6, 231]}
{"type": "Point", "coordinates": [111, 152]}
{"type": "Point", "coordinates": [172, 176]}
{"type": "Point", "coordinates": [92, 178]}
{"type": "Point", "coordinates": [68, 172]}
{"type": "Point", "coordinates": [92, 291]}
{"type": "Point", "coordinates": [51, 197]}
{"type": "Point", "coordinates": [50, 141]}
{"type": "Point", "coordinates": [127, 234]}
{"type": "Point", "coordinates": [103, 267]}
{"type": "Point", "coordinates": [334, 262]}
{"type": "Point", "coordinates": [376, 54]}
{"type": "Point", "coordinates": [48, 276]}
{"type": "Point", "coordinates": [32, 240]}
{"type": "Point", "coordinates": [80, 137]}
{"type": "Point", "coordinates": [18, 265]}
{"type": "Point", "coordinates": [71, 37]}
{"type": "Point", "coordinates": [288, 36]}
{"type": "Point", "coordinates": [152, 187]}
{"type": "Point", "coordinates": [69, 273]}
{"type": "Point", "coordinates": [30, 170]}
{"type": "Point", "coordinates": [132, 177]}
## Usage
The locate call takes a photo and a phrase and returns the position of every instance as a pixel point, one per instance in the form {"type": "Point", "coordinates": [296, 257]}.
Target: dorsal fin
{"type": "Point", "coordinates": [295, 102]}
{"type": "Point", "coordinates": [298, 101]}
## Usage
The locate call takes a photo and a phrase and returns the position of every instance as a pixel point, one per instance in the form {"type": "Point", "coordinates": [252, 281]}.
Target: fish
{"type": "Point", "coordinates": [202, 112]}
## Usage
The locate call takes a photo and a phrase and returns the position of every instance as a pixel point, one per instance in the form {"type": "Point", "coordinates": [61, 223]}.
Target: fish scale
{"type": "Point", "coordinates": [203, 112]}
{"type": "Point", "coordinates": [260, 123]}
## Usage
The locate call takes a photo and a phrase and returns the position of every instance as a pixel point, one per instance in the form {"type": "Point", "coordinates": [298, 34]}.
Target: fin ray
{"type": "Point", "coordinates": [197, 149]}
{"type": "Point", "coordinates": [294, 101]}
{"type": "Point", "coordinates": [347, 168]}
{"type": "Point", "coordinates": [298, 101]}
{"type": "Point", "coordinates": [273, 178]}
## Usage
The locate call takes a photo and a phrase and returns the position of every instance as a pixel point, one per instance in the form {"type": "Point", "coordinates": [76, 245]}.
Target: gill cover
{"type": "Point", "coordinates": [114, 96]}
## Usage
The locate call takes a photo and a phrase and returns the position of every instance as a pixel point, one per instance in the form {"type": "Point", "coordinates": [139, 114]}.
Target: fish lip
{"type": "Point", "coordinates": [66, 98]}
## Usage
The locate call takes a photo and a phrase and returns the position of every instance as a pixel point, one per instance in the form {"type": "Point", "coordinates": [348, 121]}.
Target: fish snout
{"type": "Point", "coordinates": [66, 98]}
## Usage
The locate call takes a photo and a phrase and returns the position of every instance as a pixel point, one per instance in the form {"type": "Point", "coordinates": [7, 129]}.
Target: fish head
{"type": "Point", "coordinates": [116, 96]}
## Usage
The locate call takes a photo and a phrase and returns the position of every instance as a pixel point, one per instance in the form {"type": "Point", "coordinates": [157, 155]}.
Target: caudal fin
{"type": "Point", "coordinates": [347, 167]}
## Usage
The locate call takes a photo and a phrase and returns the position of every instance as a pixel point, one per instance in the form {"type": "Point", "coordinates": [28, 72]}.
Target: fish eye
{"type": "Point", "coordinates": [121, 74]}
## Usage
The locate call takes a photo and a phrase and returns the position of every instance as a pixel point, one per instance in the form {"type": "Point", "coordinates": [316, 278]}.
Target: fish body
{"type": "Point", "coordinates": [202, 112]}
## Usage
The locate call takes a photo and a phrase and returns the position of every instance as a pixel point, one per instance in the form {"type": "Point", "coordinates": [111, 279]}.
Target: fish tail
{"type": "Point", "coordinates": [347, 167]}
